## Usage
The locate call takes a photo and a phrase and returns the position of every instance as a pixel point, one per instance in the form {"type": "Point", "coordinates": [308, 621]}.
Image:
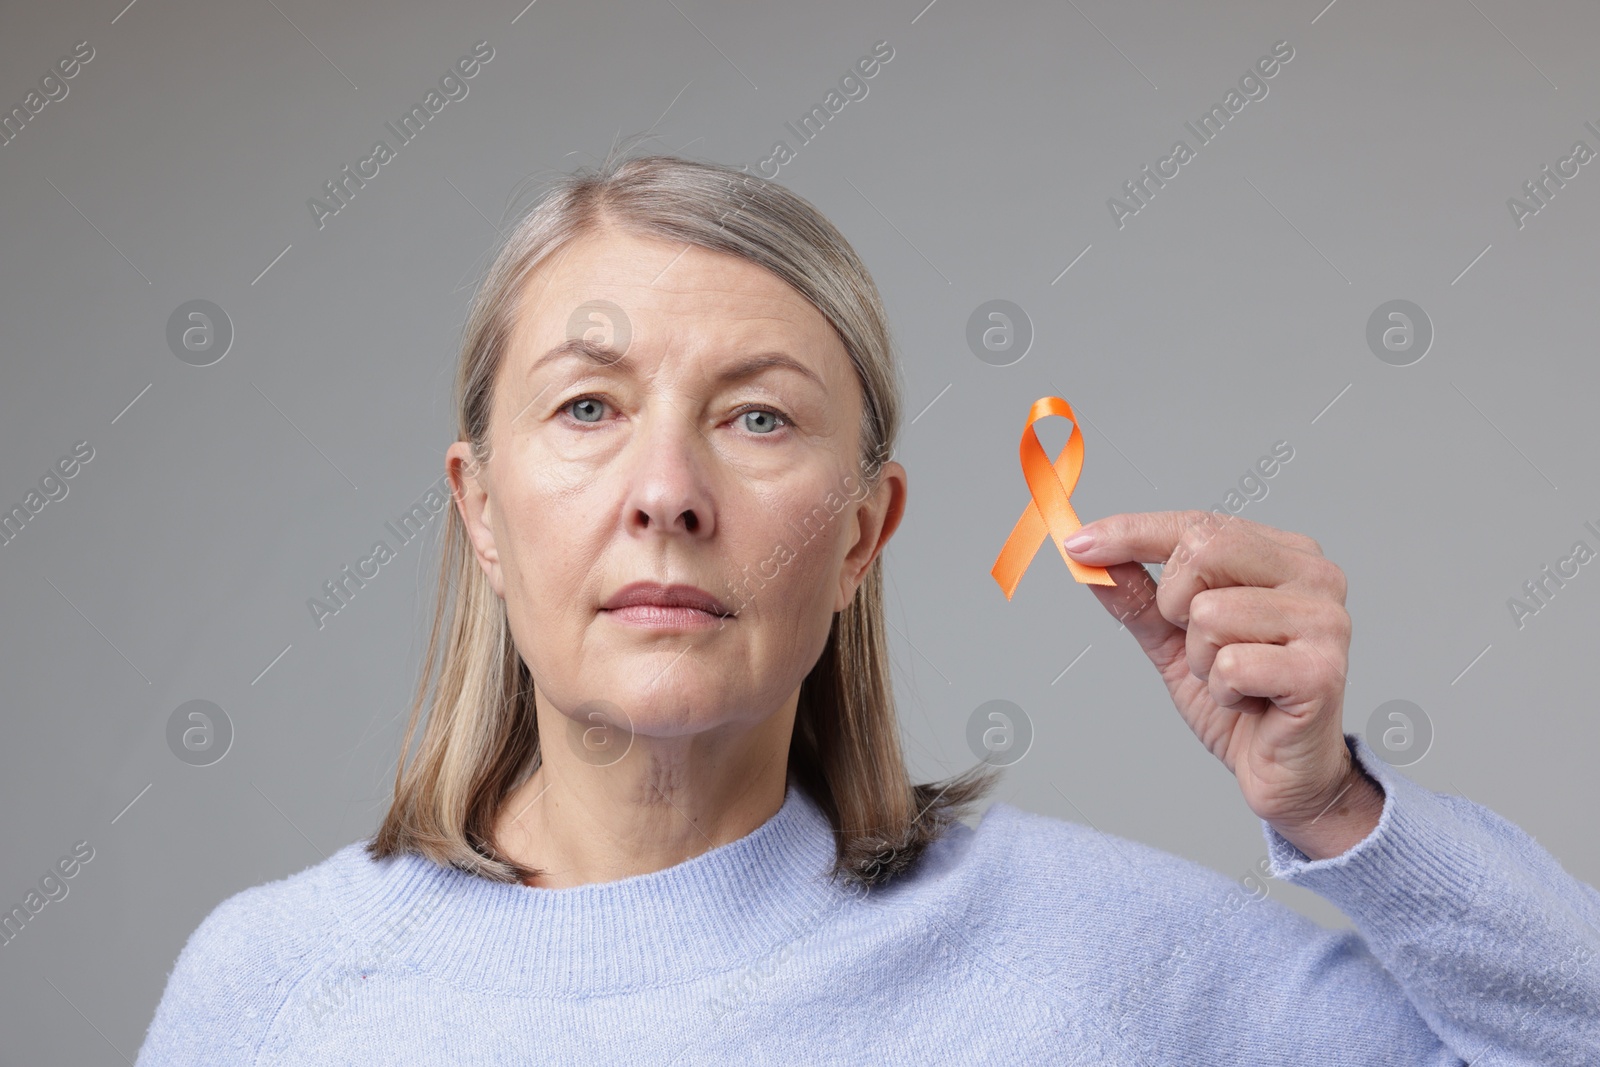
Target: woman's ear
{"type": "Point", "coordinates": [875, 522]}
{"type": "Point", "coordinates": [470, 490]}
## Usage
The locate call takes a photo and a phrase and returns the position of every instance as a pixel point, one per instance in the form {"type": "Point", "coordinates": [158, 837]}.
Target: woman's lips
{"type": "Point", "coordinates": [677, 595]}
{"type": "Point", "coordinates": [661, 617]}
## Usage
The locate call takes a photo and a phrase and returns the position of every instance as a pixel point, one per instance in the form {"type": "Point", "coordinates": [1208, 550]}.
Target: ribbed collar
{"type": "Point", "coordinates": [707, 915]}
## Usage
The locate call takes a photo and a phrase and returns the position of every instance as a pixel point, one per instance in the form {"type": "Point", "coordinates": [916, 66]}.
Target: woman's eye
{"type": "Point", "coordinates": [761, 420]}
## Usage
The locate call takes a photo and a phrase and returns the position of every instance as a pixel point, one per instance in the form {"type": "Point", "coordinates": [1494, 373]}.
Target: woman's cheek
{"type": "Point", "coordinates": [558, 463]}
{"type": "Point", "coordinates": [540, 558]}
{"type": "Point", "coordinates": [814, 536]}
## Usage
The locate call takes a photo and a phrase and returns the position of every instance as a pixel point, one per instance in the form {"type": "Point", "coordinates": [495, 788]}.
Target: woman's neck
{"type": "Point", "coordinates": [661, 803]}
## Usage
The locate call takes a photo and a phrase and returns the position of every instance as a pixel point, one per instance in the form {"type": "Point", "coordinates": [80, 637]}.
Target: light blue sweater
{"type": "Point", "coordinates": [1028, 940]}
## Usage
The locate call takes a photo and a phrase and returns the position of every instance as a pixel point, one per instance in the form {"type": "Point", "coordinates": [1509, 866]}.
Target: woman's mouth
{"type": "Point", "coordinates": [662, 617]}
{"type": "Point", "coordinates": [675, 607]}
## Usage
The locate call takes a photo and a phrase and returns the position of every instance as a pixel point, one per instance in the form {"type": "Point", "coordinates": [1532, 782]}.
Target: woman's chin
{"type": "Point", "coordinates": [662, 711]}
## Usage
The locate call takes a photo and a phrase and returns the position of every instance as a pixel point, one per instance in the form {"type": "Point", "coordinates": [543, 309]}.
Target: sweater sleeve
{"type": "Point", "coordinates": [230, 980]}
{"type": "Point", "coordinates": [1489, 940]}
{"type": "Point", "coordinates": [1471, 944]}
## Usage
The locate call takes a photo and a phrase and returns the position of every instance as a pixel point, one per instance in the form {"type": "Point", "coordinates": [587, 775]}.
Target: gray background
{"type": "Point", "coordinates": [1229, 314]}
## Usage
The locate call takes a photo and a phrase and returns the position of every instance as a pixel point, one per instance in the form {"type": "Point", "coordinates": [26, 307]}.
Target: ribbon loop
{"type": "Point", "coordinates": [1050, 512]}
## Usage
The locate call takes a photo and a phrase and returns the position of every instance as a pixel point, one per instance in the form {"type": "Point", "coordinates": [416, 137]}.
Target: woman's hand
{"type": "Point", "coordinates": [1248, 630]}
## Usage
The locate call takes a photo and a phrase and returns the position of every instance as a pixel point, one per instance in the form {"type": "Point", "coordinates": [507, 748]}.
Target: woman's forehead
{"type": "Point", "coordinates": [652, 294]}
{"type": "Point", "coordinates": [658, 275]}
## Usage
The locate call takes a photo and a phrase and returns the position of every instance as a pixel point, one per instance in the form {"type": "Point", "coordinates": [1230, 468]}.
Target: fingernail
{"type": "Point", "coordinates": [1079, 541]}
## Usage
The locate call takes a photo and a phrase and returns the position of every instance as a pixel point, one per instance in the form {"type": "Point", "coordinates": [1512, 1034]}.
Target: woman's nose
{"type": "Point", "coordinates": [667, 489]}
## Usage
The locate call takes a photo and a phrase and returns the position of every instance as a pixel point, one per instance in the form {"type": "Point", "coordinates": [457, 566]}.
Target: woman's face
{"type": "Point", "coordinates": [719, 450]}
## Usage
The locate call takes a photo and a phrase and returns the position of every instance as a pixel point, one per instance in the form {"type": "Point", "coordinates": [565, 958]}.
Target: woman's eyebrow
{"type": "Point", "coordinates": [606, 356]}
{"type": "Point", "coordinates": [602, 355]}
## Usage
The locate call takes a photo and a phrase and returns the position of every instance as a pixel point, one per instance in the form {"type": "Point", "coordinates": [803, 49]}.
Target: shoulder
{"type": "Point", "coordinates": [238, 967]}
{"type": "Point", "coordinates": [1040, 851]}
{"type": "Point", "coordinates": [276, 905]}
{"type": "Point", "coordinates": [1057, 901]}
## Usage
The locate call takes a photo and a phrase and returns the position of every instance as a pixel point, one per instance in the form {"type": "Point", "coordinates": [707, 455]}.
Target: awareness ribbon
{"type": "Point", "coordinates": [1050, 512]}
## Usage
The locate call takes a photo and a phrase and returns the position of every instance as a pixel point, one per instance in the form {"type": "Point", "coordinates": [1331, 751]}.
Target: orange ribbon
{"type": "Point", "coordinates": [1050, 512]}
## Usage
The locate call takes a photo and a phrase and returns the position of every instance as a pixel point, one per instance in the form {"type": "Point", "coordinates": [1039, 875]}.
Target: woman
{"type": "Point", "coordinates": [658, 812]}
